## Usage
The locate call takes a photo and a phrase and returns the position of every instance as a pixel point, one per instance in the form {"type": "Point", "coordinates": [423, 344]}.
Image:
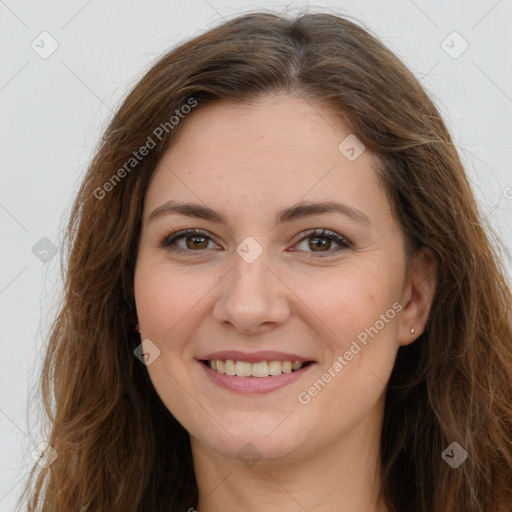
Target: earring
{"type": "Point", "coordinates": [412, 331]}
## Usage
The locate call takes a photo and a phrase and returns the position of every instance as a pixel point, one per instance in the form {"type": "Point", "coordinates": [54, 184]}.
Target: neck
{"type": "Point", "coordinates": [344, 476]}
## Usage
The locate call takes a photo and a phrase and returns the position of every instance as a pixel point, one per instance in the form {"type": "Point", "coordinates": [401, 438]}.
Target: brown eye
{"type": "Point", "coordinates": [188, 240]}
{"type": "Point", "coordinates": [319, 244]}
{"type": "Point", "coordinates": [322, 241]}
{"type": "Point", "coordinates": [196, 242]}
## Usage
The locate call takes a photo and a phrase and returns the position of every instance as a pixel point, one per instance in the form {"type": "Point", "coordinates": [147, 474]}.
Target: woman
{"type": "Point", "coordinates": [280, 294]}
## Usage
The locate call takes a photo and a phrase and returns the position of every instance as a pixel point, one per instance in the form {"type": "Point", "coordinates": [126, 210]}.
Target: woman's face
{"type": "Point", "coordinates": [296, 262]}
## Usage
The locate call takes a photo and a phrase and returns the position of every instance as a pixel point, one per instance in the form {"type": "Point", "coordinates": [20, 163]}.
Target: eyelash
{"type": "Point", "coordinates": [169, 240]}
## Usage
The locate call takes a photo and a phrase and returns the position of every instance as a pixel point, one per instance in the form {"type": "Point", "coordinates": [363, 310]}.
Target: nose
{"type": "Point", "coordinates": [252, 298]}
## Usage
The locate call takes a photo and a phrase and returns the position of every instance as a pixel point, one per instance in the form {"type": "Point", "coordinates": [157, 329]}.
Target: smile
{"type": "Point", "coordinates": [256, 369]}
{"type": "Point", "coordinates": [258, 372]}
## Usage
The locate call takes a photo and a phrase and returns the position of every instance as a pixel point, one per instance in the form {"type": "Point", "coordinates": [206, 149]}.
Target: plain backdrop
{"type": "Point", "coordinates": [66, 65]}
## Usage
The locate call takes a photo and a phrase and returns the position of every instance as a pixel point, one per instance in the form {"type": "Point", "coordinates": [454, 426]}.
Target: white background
{"type": "Point", "coordinates": [54, 109]}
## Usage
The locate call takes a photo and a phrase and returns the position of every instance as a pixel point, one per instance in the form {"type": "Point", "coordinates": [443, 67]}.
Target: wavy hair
{"type": "Point", "coordinates": [119, 448]}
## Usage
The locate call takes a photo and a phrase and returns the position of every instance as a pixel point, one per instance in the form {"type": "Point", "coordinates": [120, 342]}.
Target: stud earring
{"type": "Point", "coordinates": [412, 331]}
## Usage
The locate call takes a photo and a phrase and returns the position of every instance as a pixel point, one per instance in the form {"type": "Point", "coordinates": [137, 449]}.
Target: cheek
{"type": "Point", "coordinates": [360, 309]}
{"type": "Point", "coordinates": [168, 304]}
{"type": "Point", "coordinates": [168, 298]}
{"type": "Point", "coordinates": [359, 347]}
{"type": "Point", "coordinates": [349, 301]}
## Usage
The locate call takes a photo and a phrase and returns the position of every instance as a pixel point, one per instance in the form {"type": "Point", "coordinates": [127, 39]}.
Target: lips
{"type": "Point", "coordinates": [262, 371]}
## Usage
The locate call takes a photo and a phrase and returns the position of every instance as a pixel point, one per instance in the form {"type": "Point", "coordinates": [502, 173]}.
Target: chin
{"type": "Point", "coordinates": [265, 438]}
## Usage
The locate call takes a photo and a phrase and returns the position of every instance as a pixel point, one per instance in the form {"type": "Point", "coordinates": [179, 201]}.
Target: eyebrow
{"type": "Point", "coordinates": [295, 212]}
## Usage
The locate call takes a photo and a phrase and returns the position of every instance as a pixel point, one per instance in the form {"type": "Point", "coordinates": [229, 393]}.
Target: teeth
{"type": "Point", "coordinates": [274, 368]}
{"type": "Point", "coordinates": [229, 367]}
{"type": "Point", "coordinates": [243, 369]}
{"type": "Point", "coordinates": [286, 366]}
{"type": "Point", "coordinates": [259, 369]}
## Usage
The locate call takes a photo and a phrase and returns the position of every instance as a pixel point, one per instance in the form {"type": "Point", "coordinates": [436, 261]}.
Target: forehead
{"type": "Point", "coordinates": [277, 150]}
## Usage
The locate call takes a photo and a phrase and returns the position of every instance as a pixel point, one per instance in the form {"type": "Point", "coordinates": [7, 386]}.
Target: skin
{"type": "Point", "coordinates": [249, 161]}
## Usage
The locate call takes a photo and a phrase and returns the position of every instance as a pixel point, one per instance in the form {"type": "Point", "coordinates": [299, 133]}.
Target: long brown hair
{"type": "Point", "coordinates": [119, 448]}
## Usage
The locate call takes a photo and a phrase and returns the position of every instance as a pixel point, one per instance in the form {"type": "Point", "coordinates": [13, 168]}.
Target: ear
{"type": "Point", "coordinates": [418, 292]}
